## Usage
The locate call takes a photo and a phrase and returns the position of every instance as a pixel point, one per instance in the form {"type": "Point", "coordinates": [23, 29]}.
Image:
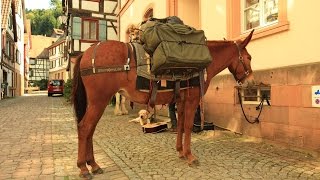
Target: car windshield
{"type": "Point", "coordinates": [56, 83]}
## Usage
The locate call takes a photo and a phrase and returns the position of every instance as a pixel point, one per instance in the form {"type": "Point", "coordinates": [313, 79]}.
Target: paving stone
{"type": "Point", "coordinates": [39, 141]}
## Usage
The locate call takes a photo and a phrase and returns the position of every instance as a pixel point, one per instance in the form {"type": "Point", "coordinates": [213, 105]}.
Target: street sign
{"type": "Point", "coordinates": [315, 96]}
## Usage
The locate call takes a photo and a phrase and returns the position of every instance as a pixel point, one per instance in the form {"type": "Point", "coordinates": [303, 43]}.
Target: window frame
{"type": "Point", "coordinates": [258, 95]}
{"type": "Point", "coordinates": [97, 29]}
{"type": "Point", "coordinates": [18, 57]}
{"type": "Point", "coordinates": [235, 19]}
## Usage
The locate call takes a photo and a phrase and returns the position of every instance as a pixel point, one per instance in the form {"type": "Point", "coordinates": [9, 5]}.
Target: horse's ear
{"type": "Point", "coordinates": [247, 40]}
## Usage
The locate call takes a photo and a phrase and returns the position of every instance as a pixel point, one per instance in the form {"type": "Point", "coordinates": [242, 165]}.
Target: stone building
{"type": "Point", "coordinates": [285, 62]}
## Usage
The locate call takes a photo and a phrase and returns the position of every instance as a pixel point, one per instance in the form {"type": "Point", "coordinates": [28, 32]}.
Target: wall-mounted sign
{"type": "Point", "coordinates": [315, 96]}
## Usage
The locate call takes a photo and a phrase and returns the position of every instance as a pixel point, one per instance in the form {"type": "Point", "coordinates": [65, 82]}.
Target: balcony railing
{"type": "Point", "coordinates": [7, 61]}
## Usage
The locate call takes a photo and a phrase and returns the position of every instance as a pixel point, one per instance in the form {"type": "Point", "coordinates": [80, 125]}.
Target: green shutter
{"type": "Point", "coordinates": [102, 30]}
{"type": "Point", "coordinates": [76, 28]}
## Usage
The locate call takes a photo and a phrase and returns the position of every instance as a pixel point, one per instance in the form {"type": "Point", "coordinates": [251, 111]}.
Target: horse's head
{"type": "Point", "coordinates": [241, 65]}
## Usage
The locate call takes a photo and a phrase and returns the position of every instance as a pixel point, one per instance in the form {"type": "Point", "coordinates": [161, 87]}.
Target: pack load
{"type": "Point", "coordinates": [176, 49]}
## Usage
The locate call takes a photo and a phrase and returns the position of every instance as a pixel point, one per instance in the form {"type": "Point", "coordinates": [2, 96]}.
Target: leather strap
{"type": "Point", "coordinates": [153, 94]}
{"type": "Point", "coordinates": [177, 90]}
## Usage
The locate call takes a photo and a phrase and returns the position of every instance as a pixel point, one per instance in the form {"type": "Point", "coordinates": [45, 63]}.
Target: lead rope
{"type": "Point", "coordinates": [260, 106]}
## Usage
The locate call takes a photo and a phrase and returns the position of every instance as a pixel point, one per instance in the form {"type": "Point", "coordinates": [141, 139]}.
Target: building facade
{"type": "Point", "coordinates": [9, 39]}
{"type": "Point", "coordinates": [19, 52]}
{"type": "Point", "coordinates": [0, 50]}
{"type": "Point", "coordinates": [27, 47]}
{"type": "Point", "coordinates": [58, 60]}
{"type": "Point", "coordinates": [88, 22]}
{"type": "Point", "coordinates": [285, 62]}
{"type": "Point", "coordinates": [39, 58]}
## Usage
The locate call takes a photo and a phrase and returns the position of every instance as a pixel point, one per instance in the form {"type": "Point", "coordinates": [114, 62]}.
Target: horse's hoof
{"type": "Point", "coordinates": [181, 156]}
{"type": "Point", "coordinates": [97, 171]}
{"type": "Point", "coordinates": [194, 162]}
{"type": "Point", "coordinates": [86, 176]}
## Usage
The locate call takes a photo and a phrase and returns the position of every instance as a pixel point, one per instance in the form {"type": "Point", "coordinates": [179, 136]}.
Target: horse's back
{"type": "Point", "coordinates": [104, 53]}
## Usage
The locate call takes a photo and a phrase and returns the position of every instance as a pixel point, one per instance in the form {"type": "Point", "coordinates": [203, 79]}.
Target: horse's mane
{"type": "Point", "coordinates": [218, 44]}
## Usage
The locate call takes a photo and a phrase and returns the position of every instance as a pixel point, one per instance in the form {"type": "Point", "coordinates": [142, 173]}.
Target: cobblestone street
{"type": "Point", "coordinates": [38, 140]}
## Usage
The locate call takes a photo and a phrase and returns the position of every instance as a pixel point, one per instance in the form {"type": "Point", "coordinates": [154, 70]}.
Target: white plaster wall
{"type": "Point", "coordinates": [298, 45]}
{"type": "Point", "coordinates": [90, 5]}
{"type": "Point", "coordinates": [0, 54]}
{"type": "Point", "coordinates": [76, 44]}
{"type": "Point", "coordinates": [85, 46]}
{"type": "Point", "coordinates": [213, 19]}
{"type": "Point", "coordinates": [20, 46]}
{"type": "Point", "coordinates": [189, 12]}
{"type": "Point", "coordinates": [75, 4]}
{"type": "Point", "coordinates": [134, 14]}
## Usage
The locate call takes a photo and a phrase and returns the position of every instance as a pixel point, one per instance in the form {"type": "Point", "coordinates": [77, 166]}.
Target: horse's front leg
{"type": "Point", "coordinates": [188, 125]}
{"type": "Point", "coordinates": [181, 119]}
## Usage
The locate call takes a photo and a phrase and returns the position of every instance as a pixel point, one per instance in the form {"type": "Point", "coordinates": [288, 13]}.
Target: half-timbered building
{"type": "Point", "coordinates": [88, 22]}
{"type": "Point", "coordinates": [39, 58]}
{"type": "Point", "coordinates": [9, 37]}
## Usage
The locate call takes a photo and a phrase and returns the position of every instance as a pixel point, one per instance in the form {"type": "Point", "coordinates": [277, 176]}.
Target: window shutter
{"type": "Point", "coordinates": [76, 28]}
{"type": "Point", "coordinates": [102, 30]}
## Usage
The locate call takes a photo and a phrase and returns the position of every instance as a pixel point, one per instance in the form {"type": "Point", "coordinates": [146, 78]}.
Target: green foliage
{"type": "Point", "coordinates": [68, 90]}
{"type": "Point", "coordinates": [44, 20]}
{"type": "Point", "coordinates": [42, 84]}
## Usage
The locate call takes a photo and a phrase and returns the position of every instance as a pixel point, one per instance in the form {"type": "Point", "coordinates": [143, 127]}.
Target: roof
{"type": "Point", "coordinates": [39, 46]}
{"type": "Point", "coordinates": [6, 5]}
{"type": "Point", "coordinates": [59, 41]}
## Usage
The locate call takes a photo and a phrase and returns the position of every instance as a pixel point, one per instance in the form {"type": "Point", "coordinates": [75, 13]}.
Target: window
{"type": "Point", "coordinates": [53, 64]}
{"type": "Point", "coordinates": [32, 62]}
{"type": "Point", "coordinates": [259, 13]}
{"type": "Point", "coordinates": [255, 95]}
{"type": "Point", "coordinates": [10, 20]}
{"type": "Point", "coordinates": [265, 16]}
{"type": "Point", "coordinates": [31, 72]}
{"type": "Point", "coordinates": [60, 61]}
{"type": "Point", "coordinates": [18, 57]}
{"type": "Point", "coordinates": [90, 29]}
{"type": "Point", "coordinates": [18, 33]}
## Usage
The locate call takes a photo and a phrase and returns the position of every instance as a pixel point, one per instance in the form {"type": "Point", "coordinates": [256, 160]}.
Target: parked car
{"type": "Point", "coordinates": [55, 86]}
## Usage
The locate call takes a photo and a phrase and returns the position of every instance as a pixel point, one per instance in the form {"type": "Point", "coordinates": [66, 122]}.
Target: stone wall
{"type": "Point", "coordinates": [290, 119]}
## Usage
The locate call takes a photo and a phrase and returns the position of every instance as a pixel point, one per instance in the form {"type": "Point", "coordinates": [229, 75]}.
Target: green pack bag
{"type": "Point", "coordinates": [175, 48]}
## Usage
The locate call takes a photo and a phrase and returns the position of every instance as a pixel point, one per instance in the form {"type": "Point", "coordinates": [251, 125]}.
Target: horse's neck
{"type": "Point", "coordinates": [221, 52]}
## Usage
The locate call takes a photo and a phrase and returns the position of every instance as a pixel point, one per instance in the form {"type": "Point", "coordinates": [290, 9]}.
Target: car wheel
{"type": "Point", "coordinates": [49, 94]}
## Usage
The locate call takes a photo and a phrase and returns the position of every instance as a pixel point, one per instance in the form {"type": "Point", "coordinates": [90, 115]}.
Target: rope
{"type": "Point", "coordinates": [260, 106]}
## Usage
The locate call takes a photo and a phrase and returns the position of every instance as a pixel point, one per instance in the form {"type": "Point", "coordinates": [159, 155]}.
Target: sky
{"type": "Point", "coordinates": [37, 4]}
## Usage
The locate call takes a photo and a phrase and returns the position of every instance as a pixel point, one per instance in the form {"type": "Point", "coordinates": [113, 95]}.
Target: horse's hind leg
{"type": "Point", "coordinates": [85, 132]}
{"type": "Point", "coordinates": [123, 105]}
{"type": "Point", "coordinates": [117, 110]}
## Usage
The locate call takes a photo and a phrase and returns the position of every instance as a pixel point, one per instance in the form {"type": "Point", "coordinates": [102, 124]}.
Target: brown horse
{"type": "Point", "coordinates": [92, 92]}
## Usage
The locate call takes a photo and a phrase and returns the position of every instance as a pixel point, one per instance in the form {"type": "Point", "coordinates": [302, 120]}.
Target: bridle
{"type": "Point", "coordinates": [247, 71]}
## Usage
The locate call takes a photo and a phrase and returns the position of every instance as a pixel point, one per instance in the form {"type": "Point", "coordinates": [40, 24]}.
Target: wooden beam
{"type": "Point", "coordinates": [82, 11]}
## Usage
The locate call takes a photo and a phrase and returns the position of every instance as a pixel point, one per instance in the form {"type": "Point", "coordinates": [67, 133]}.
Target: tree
{"type": "Point", "coordinates": [44, 20]}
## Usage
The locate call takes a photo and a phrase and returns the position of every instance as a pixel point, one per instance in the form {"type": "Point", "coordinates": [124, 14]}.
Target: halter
{"type": "Point", "coordinates": [247, 71]}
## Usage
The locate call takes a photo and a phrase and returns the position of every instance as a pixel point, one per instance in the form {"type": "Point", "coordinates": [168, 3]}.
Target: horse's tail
{"type": "Point", "coordinates": [79, 98]}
